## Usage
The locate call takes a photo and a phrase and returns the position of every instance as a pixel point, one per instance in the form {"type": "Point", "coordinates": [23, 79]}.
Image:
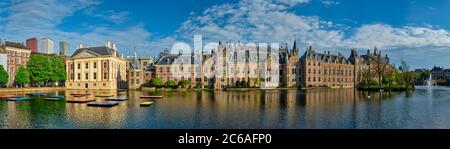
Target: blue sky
{"type": "Point", "coordinates": [415, 30]}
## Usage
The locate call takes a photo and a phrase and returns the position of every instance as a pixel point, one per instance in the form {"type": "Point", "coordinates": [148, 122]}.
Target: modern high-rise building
{"type": "Point", "coordinates": [63, 48]}
{"type": "Point", "coordinates": [32, 43]}
{"type": "Point", "coordinates": [47, 46]}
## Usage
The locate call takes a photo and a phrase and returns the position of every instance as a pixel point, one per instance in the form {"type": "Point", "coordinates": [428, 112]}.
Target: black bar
{"type": "Point", "coordinates": [170, 137]}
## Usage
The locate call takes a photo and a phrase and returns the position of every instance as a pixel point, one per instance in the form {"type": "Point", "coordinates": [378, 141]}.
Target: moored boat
{"type": "Point", "coordinates": [103, 104]}
{"type": "Point", "coordinates": [116, 99]}
{"type": "Point", "coordinates": [19, 99]}
{"type": "Point", "coordinates": [146, 103]}
{"type": "Point", "coordinates": [151, 96]}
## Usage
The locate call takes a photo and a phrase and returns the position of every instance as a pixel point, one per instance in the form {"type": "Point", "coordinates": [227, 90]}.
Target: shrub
{"type": "Point", "coordinates": [156, 82]}
{"type": "Point", "coordinates": [171, 84]}
{"type": "Point", "coordinates": [184, 83]}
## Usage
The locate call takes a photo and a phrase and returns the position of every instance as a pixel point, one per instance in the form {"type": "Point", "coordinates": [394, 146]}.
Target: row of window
{"type": "Point", "coordinates": [318, 79]}
{"type": "Point", "coordinates": [331, 71]}
{"type": "Point", "coordinates": [132, 81]}
{"type": "Point", "coordinates": [94, 65]}
{"type": "Point", "coordinates": [14, 53]}
{"type": "Point", "coordinates": [17, 60]}
{"type": "Point", "coordinates": [93, 84]}
{"type": "Point", "coordinates": [86, 76]}
{"type": "Point", "coordinates": [198, 70]}
{"type": "Point", "coordinates": [86, 65]}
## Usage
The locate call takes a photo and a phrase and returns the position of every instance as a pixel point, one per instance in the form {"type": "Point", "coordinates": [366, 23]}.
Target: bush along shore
{"type": "Point", "coordinates": [386, 88]}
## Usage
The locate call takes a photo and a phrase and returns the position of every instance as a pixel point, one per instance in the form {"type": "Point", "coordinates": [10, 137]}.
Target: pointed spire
{"type": "Point", "coordinates": [294, 48]}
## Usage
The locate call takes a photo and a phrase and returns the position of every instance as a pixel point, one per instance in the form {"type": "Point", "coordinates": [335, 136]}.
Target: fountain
{"type": "Point", "coordinates": [430, 82]}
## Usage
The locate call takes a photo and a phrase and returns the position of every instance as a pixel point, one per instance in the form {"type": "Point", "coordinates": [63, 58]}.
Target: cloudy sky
{"type": "Point", "coordinates": [415, 30]}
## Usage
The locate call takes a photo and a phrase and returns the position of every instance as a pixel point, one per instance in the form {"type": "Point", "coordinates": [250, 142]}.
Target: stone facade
{"type": "Point", "coordinates": [96, 68]}
{"type": "Point", "coordinates": [267, 67]}
{"type": "Point", "coordinates": [137, 74]}
{"type": "Point", "coordinates": [439, 73]}
{"type": "Point", "coordinates": [327, 70]}
{"type": "Point", "coordinates": [17, 54]}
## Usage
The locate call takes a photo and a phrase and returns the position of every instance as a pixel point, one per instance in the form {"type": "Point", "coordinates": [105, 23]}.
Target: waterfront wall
{"type": "Point", "coordinates": [30, 89]}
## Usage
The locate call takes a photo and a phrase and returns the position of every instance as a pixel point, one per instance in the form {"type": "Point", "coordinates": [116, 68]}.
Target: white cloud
{"type": "Point", "coordinates": [109, 15]}
{"type": "Point", "coordinates": [26, 19]}
{"type": "Point", "coordinates": [383, 35]}
{"type": "Point", "coordinates": [273, 21]}
{"type": "Point", "coordinates": [260, 21]}
{"type": "Point", "coordinates": [329, 3]}
{"type": "Point", "coordinates": [247, 21]}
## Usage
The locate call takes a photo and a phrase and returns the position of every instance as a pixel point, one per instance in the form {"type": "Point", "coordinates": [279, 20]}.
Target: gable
{"type": "Point", "coordinates": [86, 54]}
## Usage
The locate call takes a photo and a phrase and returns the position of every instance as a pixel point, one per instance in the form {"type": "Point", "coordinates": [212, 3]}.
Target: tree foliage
{"type": "Point", "coordinates": [3, 76]}
{"type": "Point", "coordinates": [184, 83]}
{"type": "Point", "coordinates": [171, 84]}
{"type": "Point", "coordinates": [58, 69]}
{"type": "Point", "coordinates": [44, 68]}
{"type": "Point", "coordinates": [156, 82]}
{"type": "Point", "coordinates": [22, 76]}
{"type": "Point", "coordinates": [39, 67]}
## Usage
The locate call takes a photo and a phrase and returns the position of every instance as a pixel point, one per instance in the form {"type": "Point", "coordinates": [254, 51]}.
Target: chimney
{"type": "Point", "coordinates": [114, 46]}
{"type": "Point", "coordinates": [80, 46]}
{"type": "Point", "coordinates": [368, 52]}
{"type": "Point", "coordinates": [108, 44]}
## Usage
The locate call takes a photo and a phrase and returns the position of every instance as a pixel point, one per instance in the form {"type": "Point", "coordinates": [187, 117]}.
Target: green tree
{"type": "Point", "coordinates": [3, 76]}
{"type": "Point", "coordinates": [389, 79]}
{"type": "Point", "coordinates": [198, 85]}
{"type": "Point", "coordinates": [156, 82]}
{"type": "Point", "coordinates": [171, 84]}
{"type": "Point", "coordinates": [409, 78]}
{"type": "Point", "coordinates": [184, 83]}
{"type": "Point", "coordinates": [40, 68]}
{"type": "Point", "coordinates": [58, 69]}
{"type": "Point", "coordinates": [22, 76]}
{"type": "Point", "coordinates": [424, 74]}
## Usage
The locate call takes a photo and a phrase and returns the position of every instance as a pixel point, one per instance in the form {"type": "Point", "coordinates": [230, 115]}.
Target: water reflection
{"type": "Point", "coordinates": [314, 108]}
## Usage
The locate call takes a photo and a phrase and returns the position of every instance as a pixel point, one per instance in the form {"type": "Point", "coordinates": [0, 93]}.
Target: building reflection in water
{"type": "Point", "coordinates": [96, 117]}
{"type": "Point", "coordinates": [312, 108]}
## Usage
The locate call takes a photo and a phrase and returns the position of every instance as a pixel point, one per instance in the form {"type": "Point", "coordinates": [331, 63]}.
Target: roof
{"type": "Point", "coordinates": [326, 57]}
{"type": "Point", "coordinates": [134, 64]}
{"type": "Point", "coordinates": [15, 45]}
{"type": "Point", "coordinates": [166, 59]}
{"type": "Point", "coordinates": [97, 50]}
{"type": "Point", "coordinates": [435, 68]}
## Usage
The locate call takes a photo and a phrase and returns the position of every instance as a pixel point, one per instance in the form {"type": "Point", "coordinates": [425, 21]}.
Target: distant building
{"type": "Point", "coordinates": [439, 73]}
{"type": "Point", "coordinates": [96, 68]}
{"type": "Point", "coordinates": [47, 46]}
{"type": "Point", "coordinates": [227, 65]}
{"type": "Point", "coordinates": [290, 66]}
{"type": "Point", "coordinates": [17, 55]}
{"type": "Point", "coordinates": [369, 62]}
{"type": "Point", "coordinates": [63, 48]}
{"type": "Point", "coordinates": [32, 43]}
{"type": "Point", "coordinates": [326, 69]}
{"type": "Point", "coordinates": [137, 75]}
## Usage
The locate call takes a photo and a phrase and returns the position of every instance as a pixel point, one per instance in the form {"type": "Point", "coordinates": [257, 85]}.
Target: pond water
{"type": "Point", "coordinates": [314, 108]}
